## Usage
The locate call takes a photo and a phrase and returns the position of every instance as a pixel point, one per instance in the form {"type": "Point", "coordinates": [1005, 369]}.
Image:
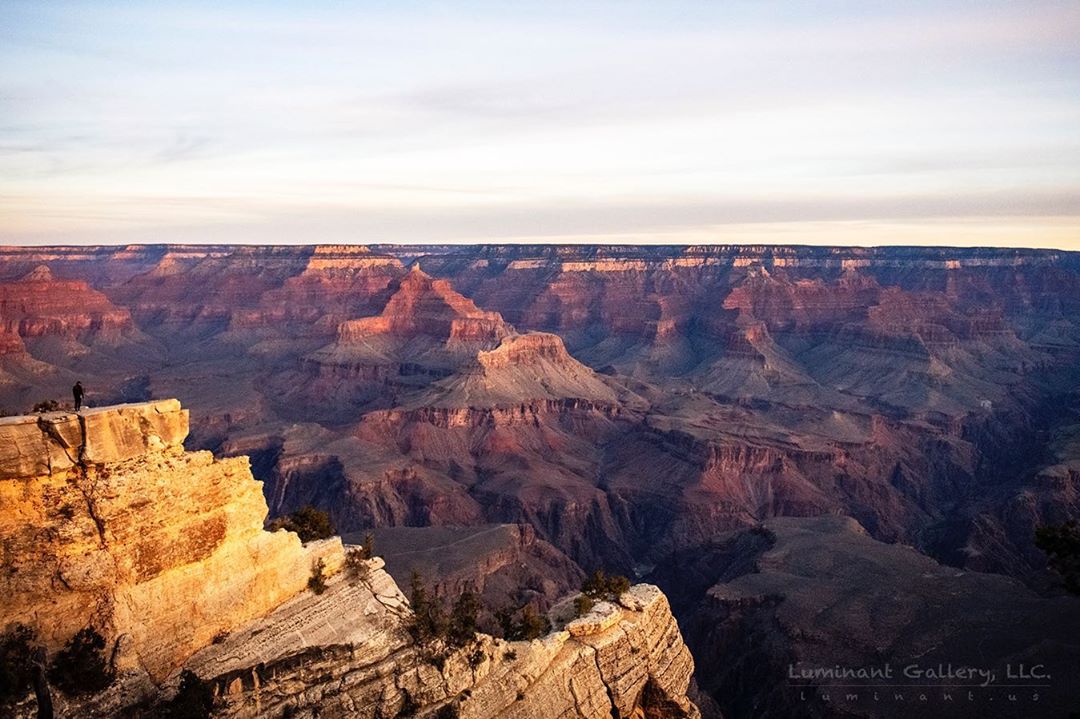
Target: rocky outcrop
{"type": "Point", "coordinates": [336, 284]}
{"type": "Point", "coordinates": [336, 656]}
{"type": "Point", "coordinates": [39, 304]}
{"type": "Point", "coordinates": [431, 346]}
{"type": "Point", "coordinates": [522, 369]}
{"type": "Point", "coordinates": [55, 442]}
{"type": "Point", "coordinates": [425, 306]}
{"type": "Point", "coordinates": [106, 522]}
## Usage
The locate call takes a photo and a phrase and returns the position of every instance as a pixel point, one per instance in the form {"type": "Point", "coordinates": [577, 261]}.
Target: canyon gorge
{"type": "Point", "coordinates": [770, 435]}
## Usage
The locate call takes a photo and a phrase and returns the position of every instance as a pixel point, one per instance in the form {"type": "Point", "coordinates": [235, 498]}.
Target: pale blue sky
{"type": "Point", "coordinates": [847, 123]}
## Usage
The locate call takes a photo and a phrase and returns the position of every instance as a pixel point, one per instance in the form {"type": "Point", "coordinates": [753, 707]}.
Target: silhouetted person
{"type": "Point", "coordinates": [77, 392]}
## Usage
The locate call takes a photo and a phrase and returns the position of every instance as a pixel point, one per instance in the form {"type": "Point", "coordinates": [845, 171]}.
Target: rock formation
{"type": "Point", "coordinates": [106, 522]}
{"type": "Point", "coordinates": [630, 404]}
{"type": "Point", "coordinates": [337, 655]}
{"type": "Point", "coordinates": [39, 304]}
{"type": "Point", "coordinates": [432, 347]}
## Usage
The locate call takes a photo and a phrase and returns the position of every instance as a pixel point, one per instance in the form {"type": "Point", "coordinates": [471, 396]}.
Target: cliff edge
{"type": "Point", "coordinates": [106, 522]}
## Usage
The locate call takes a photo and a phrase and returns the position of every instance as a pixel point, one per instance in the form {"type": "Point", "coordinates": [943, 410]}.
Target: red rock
{"type": "Point", "coordinates": [40, 305]}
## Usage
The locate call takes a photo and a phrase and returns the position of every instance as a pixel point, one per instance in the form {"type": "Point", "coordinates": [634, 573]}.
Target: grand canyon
{"type": "Point", "coordinates": [801, 457]}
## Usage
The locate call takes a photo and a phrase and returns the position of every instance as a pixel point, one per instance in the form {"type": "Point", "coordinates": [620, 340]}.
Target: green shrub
{"type": "Point", "coordinates": [463, 619]}
{"type": "Point", "coordinates": [523, 623]}
{"type": "Point", "coordinates": [533, 625]}
{"type": "Point", "coordinates": [308, 522]}
{"type": "Point", "coordinates": [356, 563]}
{"type": "Point", "coordinates": [583, 604]}
{"type": "Point", "coordinates": [317, 581]}
{"type": "Point", "coordinates": [46, 405]}
{"type": "Point", "coordinates": [428, 622]}
{"type": "Point", "coordinates": [368, 547]}
{"type": "Point", "coordinates": [602, 587]}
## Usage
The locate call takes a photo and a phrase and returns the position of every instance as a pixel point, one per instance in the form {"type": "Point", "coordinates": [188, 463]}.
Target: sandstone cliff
{"type": "Point", "coordinates": [105, 521]}
{"type": "Point", "coordinates": [338, 655]}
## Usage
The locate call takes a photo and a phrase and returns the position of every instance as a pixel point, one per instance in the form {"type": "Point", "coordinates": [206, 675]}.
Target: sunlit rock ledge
{"type": "Point", "coordinates": [106, 521]}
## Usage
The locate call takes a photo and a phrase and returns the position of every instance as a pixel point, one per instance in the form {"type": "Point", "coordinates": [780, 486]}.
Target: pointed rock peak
{"type": "Point", "coordinates": [416, 280]}
{"type": "Point", "coordinates": [420, 290]}
{"type": "Point", "coordinates": [167, 265]}
{"type": "Point", "coordinates": [41, 273]}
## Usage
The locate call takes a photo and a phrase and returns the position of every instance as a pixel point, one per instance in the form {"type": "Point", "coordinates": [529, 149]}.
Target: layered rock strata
{"type": "Point", "coordinates": [339, 655]}
{"type": "Point", "coordinates": [106, 522]}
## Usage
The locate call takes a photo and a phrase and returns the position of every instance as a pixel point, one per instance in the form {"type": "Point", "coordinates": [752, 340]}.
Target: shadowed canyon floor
{"type": "Point", "coordinates": [620, 407]}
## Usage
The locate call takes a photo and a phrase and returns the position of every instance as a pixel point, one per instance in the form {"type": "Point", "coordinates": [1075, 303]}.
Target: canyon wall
{"type": "Point", "coordinates": [629, 404]}
{"type": "Point", "coordinates": [550, 385]}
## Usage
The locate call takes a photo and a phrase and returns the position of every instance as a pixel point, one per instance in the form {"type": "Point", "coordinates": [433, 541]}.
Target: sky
{"type": "Point", "coordinates": [857, 123]}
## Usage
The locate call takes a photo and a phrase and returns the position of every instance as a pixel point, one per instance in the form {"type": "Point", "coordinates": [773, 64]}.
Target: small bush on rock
{"type": "Point", "coordinates": [583, 604]}
{"type": "Point", "coordinates": [463, 619]}
{"type": "Point", "coordinates": [368, 547]}
{"type": "Point", "coordinates": [523, 623]}
{"type": "Point", "coordinates": [317, 581]}
{"type": "Point", "coordinates": [308, 522]}
{"type": "Point", "coordinates": [356, 563]}
{"type": "Point", "coordinates": [428, 622]}
{"type": "Point", "coordinates": [602, 587]}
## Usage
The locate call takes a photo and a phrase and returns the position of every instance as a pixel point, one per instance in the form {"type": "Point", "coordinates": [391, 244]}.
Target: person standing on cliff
{"type": "Point", "coordinates": [77, 392]}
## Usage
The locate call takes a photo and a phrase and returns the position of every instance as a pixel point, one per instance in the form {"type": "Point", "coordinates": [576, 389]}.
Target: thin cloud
{"type": "Point", "coordinates": [425, 121]}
